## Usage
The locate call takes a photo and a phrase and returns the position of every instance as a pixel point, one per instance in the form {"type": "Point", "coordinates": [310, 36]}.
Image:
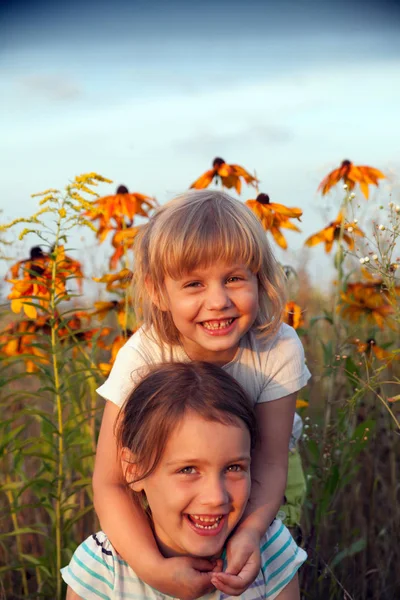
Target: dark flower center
{"type": "Point", "coordinates": [346, 163]}
{"type": "Point", "coordinates": [36, 252]}
{"type": "Point", "coordinates": [122, 189]}
{"type": "Point", "coordinates": [218, 162]}
{"type": "Point", "coordinates": [263, 198]}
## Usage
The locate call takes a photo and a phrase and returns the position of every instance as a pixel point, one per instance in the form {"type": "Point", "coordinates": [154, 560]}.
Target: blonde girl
{"type": "Point", "coordinates": [207, 288]}
{"type": "Point", "coordinates": [185, 436]}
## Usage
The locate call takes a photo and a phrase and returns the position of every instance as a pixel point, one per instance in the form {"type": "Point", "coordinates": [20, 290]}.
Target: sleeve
{"type": "Point", "coordinates": [125, 373]}
{"type": "Point", "coordinates": [91, 572]}
{"type": "Point", "coordinates": [285, 367]}
{"type": "Point", "coordinates": [281, 558]}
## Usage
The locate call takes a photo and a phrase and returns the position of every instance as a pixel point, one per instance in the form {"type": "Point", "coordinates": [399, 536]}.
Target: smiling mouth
{"type": "Point", "coordinates": [205, 522]}
{"type": "Point", "coordinates": [215, 325]}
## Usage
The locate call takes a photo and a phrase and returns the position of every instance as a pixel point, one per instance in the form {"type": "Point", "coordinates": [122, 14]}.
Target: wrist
{"type": "Point", "coordinates": [153, 571]}
{"type": "Point", "coordinates": [256, 523]}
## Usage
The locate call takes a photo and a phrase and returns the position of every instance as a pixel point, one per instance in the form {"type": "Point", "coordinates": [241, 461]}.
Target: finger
{"type": "Point", "coordinates": [219, 566]}
{"type": "Point", "coordinates": [249, 572]}
{"type": "Point", "coordinates": [235, 565]}
{"type": "Point", "coordinates": [201, 564]}
{"type": "Point", "coordinates": [228, 589]}
{"type": "Point", "coordinates": [232, 581]}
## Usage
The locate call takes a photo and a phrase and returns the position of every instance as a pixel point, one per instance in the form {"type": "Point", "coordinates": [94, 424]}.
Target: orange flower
{"type": "Point", "coordinates": [332, 232]}
{"type": "Point", "coordinates": [293, 315]}
{"type": "Point", "coordinates": [102, 309]}
{"type": "Point", "coordinates": [274, 217]}
{"type": "Point", "coordinates": [370, 348]}
{"type": "Point", "coordinates": [301, 403]}
{"type": "Point", "coordinates": [116, 281]}
{"type": "Point", "coordinates": [35, 264]}
{"type": "Point", "coordinates": [111, 211]}
{"type": "Point", "coordinates": [229, 175]}
{"type": "Point", "coordinates": [117, 344]}
{"type": "Point", "coordinates": [373, 286]}
{"type": "Point", "coordinates": [68, 268]}
{"type": "Point", "coordinates": [20, 339]}
{"type": "Point", "coordinates": [350, 175]}
{"type": "Point", "coordinates": [357, 303]}
{"type": "Point", "coordinates": [36, 282]}
{"type": "Point", "coordinates": [123, 239]}
{"type": "Point", "coordinates": [26, 292]}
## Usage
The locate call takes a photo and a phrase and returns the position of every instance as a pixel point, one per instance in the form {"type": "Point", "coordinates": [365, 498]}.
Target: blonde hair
{"type": "Point", "coordinates": [195, 230]}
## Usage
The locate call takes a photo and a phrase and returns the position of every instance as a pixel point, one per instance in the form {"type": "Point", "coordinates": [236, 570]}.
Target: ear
{"type": "Point", "coordinates": [154, 295]}
{"type": "Point", "coordinates": [129, 469]}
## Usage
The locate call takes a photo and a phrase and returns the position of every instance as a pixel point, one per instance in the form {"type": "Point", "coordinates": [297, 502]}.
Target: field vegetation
{"type": "Point", "coordinates": [56, 346]}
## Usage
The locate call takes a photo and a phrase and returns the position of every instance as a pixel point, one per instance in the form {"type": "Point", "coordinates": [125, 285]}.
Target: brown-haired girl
{"type": "Point", "coordinates": [208, 288]}
{"type": "Point", "coordinates": [185, 437]}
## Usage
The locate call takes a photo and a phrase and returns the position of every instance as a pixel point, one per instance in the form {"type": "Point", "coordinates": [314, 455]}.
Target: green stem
{"type": "Point", "coordinates": [14, 519]}
{"type": "Point", "coordinates": [59, 410]}
{"type": "Point", "coordinates": [335, 319]}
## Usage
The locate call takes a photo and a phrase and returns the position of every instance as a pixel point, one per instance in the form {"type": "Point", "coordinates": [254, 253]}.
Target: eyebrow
{"type": "Point", "coordinates": [198, 271]}
{"type": "Point", "coordinates": [192, 460]}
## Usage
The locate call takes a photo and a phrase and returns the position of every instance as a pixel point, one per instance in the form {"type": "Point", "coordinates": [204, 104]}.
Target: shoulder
{"type": "Point", "coordinates": [281, 558]}
{"type": "Point", "coordinates": [285, 338]}
{"type": "Point", "coordinates": [278, 363]}
{"type": "Point", "coordinates": [92, 567]}
{"type": "Point", "coordinates": [139, 351]}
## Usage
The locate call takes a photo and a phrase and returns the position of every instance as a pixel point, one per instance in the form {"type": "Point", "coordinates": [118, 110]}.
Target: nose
{"type": "Point", "coordinates": [217, 297]}
{"type": "Point", "coordinates": [214, 492]}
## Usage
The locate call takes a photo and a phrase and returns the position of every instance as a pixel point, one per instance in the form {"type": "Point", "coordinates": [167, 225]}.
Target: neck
{"type": "Point", "coordinates": [217, 358]}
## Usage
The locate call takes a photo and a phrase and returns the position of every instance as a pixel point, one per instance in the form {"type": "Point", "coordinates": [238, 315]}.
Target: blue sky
{"type": "Point", "coordinates": [149, 93]}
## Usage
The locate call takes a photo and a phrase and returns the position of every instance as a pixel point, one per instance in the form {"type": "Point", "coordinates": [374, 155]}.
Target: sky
{"type": "Point", "coordinates": [149, 93]}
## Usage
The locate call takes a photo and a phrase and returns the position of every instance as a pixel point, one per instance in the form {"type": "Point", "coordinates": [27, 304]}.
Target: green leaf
{"type": "Point", "coordinates": [357, 546]}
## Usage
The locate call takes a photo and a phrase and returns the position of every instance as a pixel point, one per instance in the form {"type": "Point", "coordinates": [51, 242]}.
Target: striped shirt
{"type": "Point", "coordinates": [96, 571]}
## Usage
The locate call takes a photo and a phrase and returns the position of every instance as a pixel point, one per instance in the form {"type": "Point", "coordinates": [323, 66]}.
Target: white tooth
{"type": "Point", "coordinates": [219, 325]}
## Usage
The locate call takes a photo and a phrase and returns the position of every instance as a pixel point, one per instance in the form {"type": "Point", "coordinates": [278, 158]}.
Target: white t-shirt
{"type": "Point", "coordinates": [266, 369]}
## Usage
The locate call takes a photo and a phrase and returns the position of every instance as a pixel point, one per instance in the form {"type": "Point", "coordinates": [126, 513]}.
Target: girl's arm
{"type": "Point", "coordinates": [71, 595]}
{"type": "Point", "coordinates": [270, 462]}
{"type": "Point", "coordinates": [291, 591]}
{"type": "Point", "coordinates": [128, 529]}
{"type": "Point", "coordinates": [269, 473]}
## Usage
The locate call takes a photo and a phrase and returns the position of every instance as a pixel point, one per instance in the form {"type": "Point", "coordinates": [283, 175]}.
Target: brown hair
{"type": "Point", "coordinates": [162, 398]}
{"type": "Point", "coordinates": [195, 230]}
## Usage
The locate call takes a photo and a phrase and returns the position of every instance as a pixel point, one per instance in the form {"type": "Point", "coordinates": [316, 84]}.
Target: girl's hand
{"type": "Point", "coordinates": [186, 578]}
{"type": "Point", "coordinates": [244, 562]}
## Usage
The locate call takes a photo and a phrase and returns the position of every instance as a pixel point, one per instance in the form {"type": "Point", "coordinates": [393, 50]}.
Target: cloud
{"type": "Point", "coordinates": [52, 87]}
{"type": "Point", "coordinates": [208, 142]}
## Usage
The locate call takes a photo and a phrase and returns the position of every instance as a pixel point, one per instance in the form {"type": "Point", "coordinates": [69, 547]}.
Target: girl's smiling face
{"type": "Point", "coordinates": [200, 487]}
{"type": "Point", "coordinates": [212, 308]}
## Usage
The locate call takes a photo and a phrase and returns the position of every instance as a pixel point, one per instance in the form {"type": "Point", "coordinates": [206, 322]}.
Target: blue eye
{"type": "Point", "coordinates": [235, 468]}
{"type": "Point", "coordinates": [187, 470]}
